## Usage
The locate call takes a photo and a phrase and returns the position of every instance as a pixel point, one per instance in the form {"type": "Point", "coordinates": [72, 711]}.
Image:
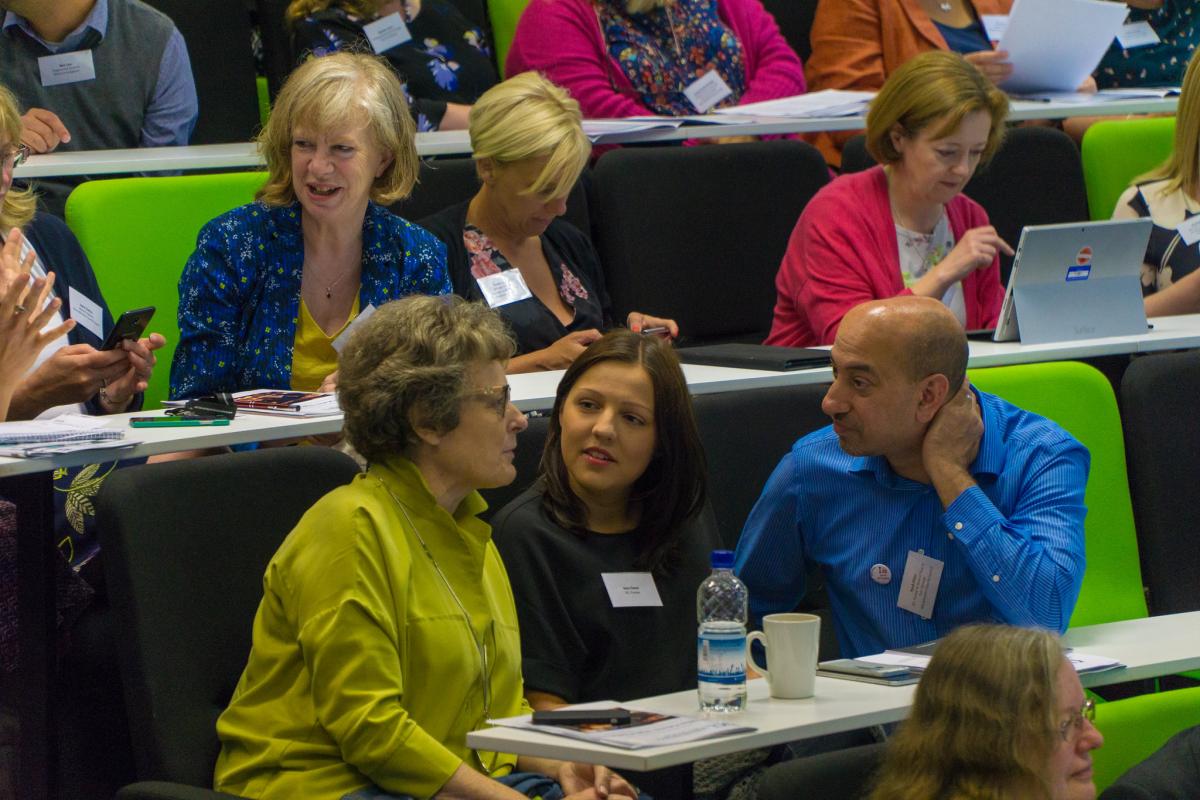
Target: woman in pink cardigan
{"type": "Point", "coordinates": [624, 58]}
{"type": "Point", "coordinates": [903, 227]}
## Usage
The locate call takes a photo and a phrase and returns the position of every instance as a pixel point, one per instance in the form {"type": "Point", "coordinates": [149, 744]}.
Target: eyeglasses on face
{"type": "Point", "coordinates": [14, 157]}
{"type": "Point", "coordinates": [494, 397]}
{"type": "Point", "coordinates": [1073, 725]}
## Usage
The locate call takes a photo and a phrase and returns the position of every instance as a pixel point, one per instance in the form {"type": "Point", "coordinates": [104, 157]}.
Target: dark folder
{"type": "Point", "coordinates": [755, 356]}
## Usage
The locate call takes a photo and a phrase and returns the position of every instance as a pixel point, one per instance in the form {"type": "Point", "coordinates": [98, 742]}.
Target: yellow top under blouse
{"type": "Point", "coordinates": [313, 356]}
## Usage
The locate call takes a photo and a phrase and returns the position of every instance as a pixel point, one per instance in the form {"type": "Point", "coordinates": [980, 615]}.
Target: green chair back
{"type": "Point", "coordinates": [1135, 727]}
{"type": "Point", "coordinates": [1117, 151]}
{"type": "Point", "coordinates": [138, 234]}
{"type": "Point", "coordinates": [264, 101]}
{"type": "Point", "coordinates": [1080, 399]}
{"type": "Point", "coordinates": [504, 15]}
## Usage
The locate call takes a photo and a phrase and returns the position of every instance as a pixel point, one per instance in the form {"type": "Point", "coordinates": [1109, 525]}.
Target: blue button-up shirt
{"type": "Point", "coordinates": [1012, 546]}
{"type": "Point", "coordinates": [173, 110]}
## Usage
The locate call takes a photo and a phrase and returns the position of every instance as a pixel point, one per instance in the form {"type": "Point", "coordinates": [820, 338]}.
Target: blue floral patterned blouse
{"type": "Point", "coordinates": [665, 50]}
{"type": "Point", "coordinates": [1160, 64]}
{"type": "Point", "coordinates": [239, 295]}
{"type": "Point", "coordinates": [447, 59]}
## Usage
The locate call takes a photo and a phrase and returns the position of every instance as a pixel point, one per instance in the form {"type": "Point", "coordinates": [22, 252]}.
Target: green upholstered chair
{"type": "Point", "coordinates": [1136, 727]}
{"type": "Point", "coordinates": [504, 15]}
{"type": "Point", "coordinates": [138, 234]}
{"type": "Point", "coordinates": [1117, 151]}
{"type": "Point", "coordinates": [1080, 399]}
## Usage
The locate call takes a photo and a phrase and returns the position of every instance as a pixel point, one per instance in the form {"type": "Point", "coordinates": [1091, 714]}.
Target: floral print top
{"type": "Point", "coordinates": [239, 295]}
{"type": "Point", "coordinates": [535, 326]}
{"type": "Point", "coordinates": [1159, 64]}
{"type": "Point", "coordinates": [448, 59]}
{"type": "Point", "coordinates": [665, 50]}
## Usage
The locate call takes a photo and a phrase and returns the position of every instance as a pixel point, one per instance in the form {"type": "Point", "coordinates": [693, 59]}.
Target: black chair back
{"type": "Point", "coordinates": [795, 19]}
{"type": "Point", "coordinates": [278, 58]}
{"type": "Point", "coordinates": [529, 456]}
{"type": "Point", "coordinates": [1162, 443]}
{"type": "Point", "coordinates": [697, 233]}
{"type": "Point", "coordinates": [840, 775]}
{"type": "Point", "coordinates": [185, 546]}
{"type": "Point", "coordinates": [218, 37]}
{"type": "Point", "coordinates": [1035, 178]}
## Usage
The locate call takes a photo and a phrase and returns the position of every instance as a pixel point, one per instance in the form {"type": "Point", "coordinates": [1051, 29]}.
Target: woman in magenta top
{"type": "Point", "coordinates": [624, 58]}
{"type": "Point", "coordinates": [903, 227]}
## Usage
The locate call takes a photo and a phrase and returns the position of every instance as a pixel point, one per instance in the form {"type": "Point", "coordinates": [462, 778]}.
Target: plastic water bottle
{"type": "Point", "coordinates": [721, 607]}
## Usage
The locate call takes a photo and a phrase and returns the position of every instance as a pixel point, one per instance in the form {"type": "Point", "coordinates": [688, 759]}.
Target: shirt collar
{"type": "Point", "coordinates": [97, 20]}
{"type": "Point", "coordinates": [988, 461]}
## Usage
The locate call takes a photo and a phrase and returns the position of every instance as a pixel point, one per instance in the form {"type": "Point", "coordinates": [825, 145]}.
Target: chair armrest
{"type": "Point", "coordinates": [162, 790]}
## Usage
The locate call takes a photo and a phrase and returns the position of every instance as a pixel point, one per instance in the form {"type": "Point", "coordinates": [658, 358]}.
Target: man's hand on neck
{"type": "Point", "coordinates": [951, 444]}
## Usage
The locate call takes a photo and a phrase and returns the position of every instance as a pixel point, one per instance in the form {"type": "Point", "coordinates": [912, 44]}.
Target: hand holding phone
{"type": "Point", "coordinates": [131, 325]}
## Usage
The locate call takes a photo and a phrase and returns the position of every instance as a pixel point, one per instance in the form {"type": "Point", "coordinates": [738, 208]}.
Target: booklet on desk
{"type": "Point", "coordinates": [281, 401]}
{"type": "Point", "coordinates": [916, 659]}
{"type": "Point", "coordinates": [646, 729]}
{"type": "Point", "coordinates": [755, 356]}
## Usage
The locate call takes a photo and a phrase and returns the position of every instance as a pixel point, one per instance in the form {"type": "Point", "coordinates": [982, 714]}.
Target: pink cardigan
{"type": "Point", "coordinates": [843, 252]}
{"type": "Point", "coordinates": [563, 40]}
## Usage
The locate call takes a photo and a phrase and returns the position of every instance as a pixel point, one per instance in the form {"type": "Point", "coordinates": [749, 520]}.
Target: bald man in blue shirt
{"type": "Point", "coordinates": [927, 503]}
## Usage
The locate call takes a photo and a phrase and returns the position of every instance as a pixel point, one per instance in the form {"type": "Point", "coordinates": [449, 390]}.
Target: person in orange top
{"type": "Point", "coordinates": [857, 44]}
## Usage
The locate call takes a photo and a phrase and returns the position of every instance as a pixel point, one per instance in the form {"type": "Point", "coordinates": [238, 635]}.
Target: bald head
{"type": "Point", "coordinates": [922, 334]}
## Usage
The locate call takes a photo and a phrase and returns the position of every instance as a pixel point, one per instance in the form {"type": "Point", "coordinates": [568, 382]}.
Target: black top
{"type": "Point", "coordinates": [573, 262]}
{"type": "Point", "coordinates": [574, 644]}
{"type": "Point", "coordinates": [1172, 773]}
{"type": "Point", "coordinates": [447, 60]}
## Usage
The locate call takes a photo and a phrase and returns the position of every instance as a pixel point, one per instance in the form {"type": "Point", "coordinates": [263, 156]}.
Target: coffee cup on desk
{"type": "Point", "coordinates": [791, 642]}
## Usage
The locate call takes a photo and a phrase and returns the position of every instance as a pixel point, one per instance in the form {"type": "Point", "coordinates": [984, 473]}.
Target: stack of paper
{"type": "Point", "coordinates": [917, 662]}
{"type": "Point", "coordinates": [826, 103]}
{"type": "Point", "coordinates": [63, 434]}
{"type": "Point", "coordinates": [1055, 44]}
{"type": "Point", "coordinates": [646, 730]}
{"type": "Point", "coordinates": [287, 403]}
{"type": "Point", "coordinates": [600, 130]}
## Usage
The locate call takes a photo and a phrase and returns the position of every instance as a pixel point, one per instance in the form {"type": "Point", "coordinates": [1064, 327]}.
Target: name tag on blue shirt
{"type": "Point", "coordinates": [73, 67]}
{"type": "Point", "coordinates": [919, 586]}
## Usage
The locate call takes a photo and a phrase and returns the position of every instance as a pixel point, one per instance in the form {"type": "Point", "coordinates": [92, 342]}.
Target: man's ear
{"type": "Point", "coordinates": [935, 393]}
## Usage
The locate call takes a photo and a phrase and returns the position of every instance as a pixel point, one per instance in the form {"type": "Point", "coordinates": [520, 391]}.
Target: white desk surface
{"type": "Point", "coordinates": [1150, 647]}
{"type": "Point", "coordinates": [439, 143]}
{"type": "Point", "coordinates": [535, 391]}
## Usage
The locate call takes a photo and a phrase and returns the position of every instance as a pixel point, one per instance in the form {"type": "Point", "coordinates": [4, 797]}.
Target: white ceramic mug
{"type": "Point", "coordinates": [791, 642]}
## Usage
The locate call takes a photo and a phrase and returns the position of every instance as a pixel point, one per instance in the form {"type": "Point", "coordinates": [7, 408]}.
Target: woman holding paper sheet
{"type": "Point", "coordinates": [1170, 196]}
{"type": "Point", "coordinates": [999, 713]}
{"type": "Point", "coordinates": [507, 247]}
{"type": "Point", "coordinates": [442, 59]}
{"type": "Point", "coordinates": [387, 630]}
{"type": "Point", "coordinates": [903, 227]}
{"type": "Point", "coordinates": [273, 284]}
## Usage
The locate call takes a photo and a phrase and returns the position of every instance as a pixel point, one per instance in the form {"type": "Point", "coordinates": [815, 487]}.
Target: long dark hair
{"type": "Point", "coordinates": [674, 486]}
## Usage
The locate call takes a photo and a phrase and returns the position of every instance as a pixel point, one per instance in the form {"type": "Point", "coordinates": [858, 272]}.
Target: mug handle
{"type": "Point", "coordinates": [750, 638]}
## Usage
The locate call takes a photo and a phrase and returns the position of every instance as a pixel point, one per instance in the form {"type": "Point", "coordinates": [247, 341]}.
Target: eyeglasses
{"type": "Point", "coordinates": [494, 397]}
{"type": "Point", "coordinates": [1074, 723]}
{"type": "Point", "coordinates": [16, 156]}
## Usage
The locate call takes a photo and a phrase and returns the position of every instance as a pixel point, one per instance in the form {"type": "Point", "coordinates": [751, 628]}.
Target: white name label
{"type": "Point", "coordinates": [60, 68]}
{"type": "Point", "coordinates": [1189, 230]}
{"type": "Point", "coordinates": [631, 589]}
{"type": "Point", "coordinates": [994, 25]}
{"type": "Point", "coordinates": [85, 312]}
{"type": "Point", "coordinates": [343, 337]}
{"type": "Point", "coordinates": [387, 32]}
{"type": "Point", "coordinates": [919, 586]}
{"type": "Point", "coordinates": [1137, 34]}
{"type": "Point", "coordinates": [504, 287]}
{"type": "Point", "coordinates": [705, 92]}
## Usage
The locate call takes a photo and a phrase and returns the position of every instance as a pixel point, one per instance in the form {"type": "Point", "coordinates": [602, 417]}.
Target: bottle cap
{"type": "Point", "coordinates": [722, 559]}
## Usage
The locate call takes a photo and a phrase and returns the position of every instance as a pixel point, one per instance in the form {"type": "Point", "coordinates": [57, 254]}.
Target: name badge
{"type": "Point", "coordinates": [994, 25]}
{"type": "Point", "coordinates": [631, 589]}
{"type": "Point", "coordinates": [343, 337]}
{"type": "Point", "coordinates": [1189, 230]}
{"type": "Point", "coordinates": [387, 32]}
{"type": "Point", "coordinates": [504, 287]}
{"type": "Point", "coordinates": [85, 312]}
{"type": "Point", "coordinates": [919, 586]}
{"type": "Point", "coordinates": [1137, 34]}
{"type": "Point", "coordinates": [73, 67]}
{"type": "Point", "coordinates": [704, 93]}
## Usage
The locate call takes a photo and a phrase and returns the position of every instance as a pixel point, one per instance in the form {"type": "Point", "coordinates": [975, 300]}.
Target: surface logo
{"type": "Point", "coordinates": [1082, 268]}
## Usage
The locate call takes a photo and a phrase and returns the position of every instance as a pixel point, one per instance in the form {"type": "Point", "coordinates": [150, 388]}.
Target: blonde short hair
{"type": "Point", "coordinates": [933, 87]}
{"type": "Point", "coordinates": [411, 360]}
{"type": "Point", "coordinates": [299, 9]}
{"type": "Point", "coordinates": [525, 117]}
{"type": "Point", "coordinates": [1181, 170]}
{"type": "Point", "coordinates": [18, 206]}
{"type": "Point", "coordinates": [325, 95]}
{"type": "Point", "coordinates": [983, 722]}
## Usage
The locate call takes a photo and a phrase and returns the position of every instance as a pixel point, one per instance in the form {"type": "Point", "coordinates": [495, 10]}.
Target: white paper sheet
{"type": "Point", "coordinates": [1055, 44]}
{"type": "Point", "coordinates": [826, 103]}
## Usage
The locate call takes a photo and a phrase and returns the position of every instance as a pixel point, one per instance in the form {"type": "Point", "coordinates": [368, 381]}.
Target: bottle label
{"type": "Point", "coordinates": [721, 658]}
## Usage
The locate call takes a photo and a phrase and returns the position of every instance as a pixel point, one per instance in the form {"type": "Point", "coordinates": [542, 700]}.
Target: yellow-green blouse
{"type": "Point", "coordinates": [313, 356]}
{"type": "Point", "coordinates": [362, 670]}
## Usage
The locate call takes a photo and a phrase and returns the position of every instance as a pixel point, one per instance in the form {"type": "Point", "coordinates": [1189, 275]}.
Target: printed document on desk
{"type": "Point", "coordinates": [598, 130]}
{"type": "Point", "coordinates": [917, 662]}
{"type": "Point", "coordinates": [825, 103]}
{"type": "Point", "coordinates": [646, 730]}
{"type": "Point", "coordinates": [65, 433]}
{"type": "Point", "coordinates": [1102, 96]}
{"type": "Point", "coordinates": [1054, 45]}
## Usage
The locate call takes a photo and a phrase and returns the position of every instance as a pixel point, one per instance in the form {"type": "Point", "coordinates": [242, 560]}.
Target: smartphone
{"type": "Point", "coordinates": [852, 666]}
{"type": "Point", "coordinates": [582, 716]}
{"type": "Point", "coordinates": [174, 422]}
{"type": "Point", "coordinates": [131, 325]}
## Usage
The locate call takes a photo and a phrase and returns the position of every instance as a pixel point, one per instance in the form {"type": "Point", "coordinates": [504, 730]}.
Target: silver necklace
{"type": "Point", "coordinates": [945, 6]}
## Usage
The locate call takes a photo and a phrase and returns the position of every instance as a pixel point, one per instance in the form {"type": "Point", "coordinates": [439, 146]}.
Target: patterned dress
{"type": "Point", "coordinates": [1159, 64]}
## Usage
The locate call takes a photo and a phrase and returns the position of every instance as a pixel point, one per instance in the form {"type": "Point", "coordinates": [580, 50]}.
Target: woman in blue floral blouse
{"type": "Point", "coordinates": [441, 57]}
{"type": "Point", "coordinates": [272, 284]}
